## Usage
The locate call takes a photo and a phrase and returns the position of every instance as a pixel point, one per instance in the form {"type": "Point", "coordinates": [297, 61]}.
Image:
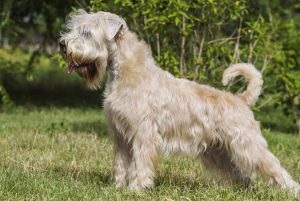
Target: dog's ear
{"type": "Point", "coordinates": [115, 25]}
{"type": "Point", "coordinates": [114, 28]}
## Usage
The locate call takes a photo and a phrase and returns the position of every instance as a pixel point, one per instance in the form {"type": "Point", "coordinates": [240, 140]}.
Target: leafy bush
{"type": "Point", "coordinates": [199, 39]}
{"type": "Point", "coordinates": [193, 39]}
{"type": "Point", "coordinates": [12, 62]}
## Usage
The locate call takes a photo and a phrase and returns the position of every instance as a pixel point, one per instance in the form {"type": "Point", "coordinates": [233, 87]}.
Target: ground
{"type": "Point", "coordinates": [60, 153]}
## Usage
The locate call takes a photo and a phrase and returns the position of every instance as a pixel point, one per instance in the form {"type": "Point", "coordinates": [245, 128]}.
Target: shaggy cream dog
{"type": "Point", "coordinates": [150, 112]}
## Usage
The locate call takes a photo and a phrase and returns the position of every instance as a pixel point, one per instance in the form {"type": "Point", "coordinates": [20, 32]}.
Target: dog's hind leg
{"type": "Point", "coordinates": [251, 155]}
{"type": "Point", "coordinates": [218, 161]}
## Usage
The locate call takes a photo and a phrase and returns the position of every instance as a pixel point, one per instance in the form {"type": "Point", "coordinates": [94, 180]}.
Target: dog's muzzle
{"type": "Point", "coordinates": [81, 68]}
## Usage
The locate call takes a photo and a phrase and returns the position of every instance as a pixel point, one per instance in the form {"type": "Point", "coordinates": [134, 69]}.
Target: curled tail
{"type": "Point", "coordinates": [251, 74]}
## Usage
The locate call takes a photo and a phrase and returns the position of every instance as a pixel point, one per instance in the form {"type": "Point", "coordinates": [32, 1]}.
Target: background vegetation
{"type": "Point", "coordinates": [192, 39]}
{"type": "Point", "coordinates": [53, 137]}
{"type": "Point", "coordinates": [208, 36]}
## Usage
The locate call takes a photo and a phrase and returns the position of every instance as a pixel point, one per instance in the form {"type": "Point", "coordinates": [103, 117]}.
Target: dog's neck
{"type": "Point", "coordinates": [113, 68]}
{"type": "Point", "coordinates": [135, 59]}
{"type": "Point", "coordinates": [114, 56]}
{"type": "Point", "coordinates": [129, 62]}
{"type": "Point", "coordinates": [113, 62]}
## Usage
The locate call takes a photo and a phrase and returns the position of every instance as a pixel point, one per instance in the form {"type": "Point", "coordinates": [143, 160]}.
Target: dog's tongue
{"type": "Point", "coordinates": [70, 68]}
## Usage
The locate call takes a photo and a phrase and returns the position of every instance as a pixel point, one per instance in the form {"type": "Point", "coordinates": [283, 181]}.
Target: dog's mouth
{"type": "Point", "coordinates": [81, 68]}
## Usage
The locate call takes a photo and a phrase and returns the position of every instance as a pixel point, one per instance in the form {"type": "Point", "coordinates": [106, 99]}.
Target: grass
{"type": "Point", "coordinates": [64, 153]}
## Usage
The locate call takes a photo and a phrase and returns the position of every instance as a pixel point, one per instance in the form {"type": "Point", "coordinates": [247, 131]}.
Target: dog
{"type": "Point", "coordinates": [152, 113]}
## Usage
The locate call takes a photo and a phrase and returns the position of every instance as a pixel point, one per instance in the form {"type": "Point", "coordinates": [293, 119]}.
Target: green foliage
{"type": "Point", "coordinates": [5, 99]}
{"type": "Point", "coordinates": [33, 22]}
{"type": "Point", "coordinates": [47, 84]}
{"type": "Point", "coordinates": [192, 39]}
{"type": "Point", "coordinates": [187, 22]}
{"type": "Point", "coordinates": [199, 39]}
{"type": "Point", "coordinates": [31, 28]}
{"type": "Point", "coordinates": [13, 62]}
{"type": "Point", "coordinates": [57, 57]}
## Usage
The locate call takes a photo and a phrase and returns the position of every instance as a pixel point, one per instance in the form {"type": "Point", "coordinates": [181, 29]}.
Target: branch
{"type": "Point", "coordinates": [224, 40]}
{"type": "Point", "coordinates": [252, 46]}
{"type": "Point", "coordinates": [146, 32]}
{"type": "Point", "coordinates": [182, 66]}
{"type": "Point", "coordinates": [200, 53]}
{"type": "Point", "coordinates": [157, 44]}
{"type": "Point", "coordinates": [236, 54]}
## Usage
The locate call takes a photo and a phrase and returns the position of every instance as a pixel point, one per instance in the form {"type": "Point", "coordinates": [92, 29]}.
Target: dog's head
{"type": "Point", "coordinates": [87, 43]}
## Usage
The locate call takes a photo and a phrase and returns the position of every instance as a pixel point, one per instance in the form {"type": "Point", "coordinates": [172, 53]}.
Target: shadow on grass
{"type": "Point", "coordinates": [84, 176]}
{"type": "Point", "coordinates": [98, 127]}
{"type": "Point", "coordinates": [181, 181]}
{"type": "Point", "coordinates": [104, 178]}
{"type": "Point", "coordinates": [184, 182]}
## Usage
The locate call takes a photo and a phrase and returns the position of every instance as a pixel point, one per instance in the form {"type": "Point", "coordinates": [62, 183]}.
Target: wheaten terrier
{"type": "Point", "coordinates": [150, 112]}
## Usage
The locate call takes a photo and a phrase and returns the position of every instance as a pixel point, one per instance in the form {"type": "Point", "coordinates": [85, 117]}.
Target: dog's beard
{"type": "Point", "coordinates": [86, 70]}
{"type": "Point", "coordinates": [92, 72]}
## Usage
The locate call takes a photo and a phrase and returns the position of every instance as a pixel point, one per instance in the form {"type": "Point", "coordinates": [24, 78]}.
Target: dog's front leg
{"type": "Point", "coordinates": [121, 161]}
{"type": "Point", "coordinates": [144, 159]}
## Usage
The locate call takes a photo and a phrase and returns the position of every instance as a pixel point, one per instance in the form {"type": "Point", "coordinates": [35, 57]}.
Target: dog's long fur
{"type": "Point", "coordinates": [150, 112]}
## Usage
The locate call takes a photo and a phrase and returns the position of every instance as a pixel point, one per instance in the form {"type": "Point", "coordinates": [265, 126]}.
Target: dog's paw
{"type": "Point", "coordinates": [139, 186]}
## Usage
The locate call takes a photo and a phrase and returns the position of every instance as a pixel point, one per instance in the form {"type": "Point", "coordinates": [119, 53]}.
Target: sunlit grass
{"type": "Point", "coordinates": [66, 154]}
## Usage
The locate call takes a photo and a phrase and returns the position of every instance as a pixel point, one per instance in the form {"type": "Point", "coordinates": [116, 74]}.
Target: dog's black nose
{"type": "Point", "coordinates": [62, 46]}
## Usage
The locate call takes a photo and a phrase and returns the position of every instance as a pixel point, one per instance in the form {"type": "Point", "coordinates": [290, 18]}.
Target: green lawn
{"type": "Point", "coordinates": [66, 154]}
